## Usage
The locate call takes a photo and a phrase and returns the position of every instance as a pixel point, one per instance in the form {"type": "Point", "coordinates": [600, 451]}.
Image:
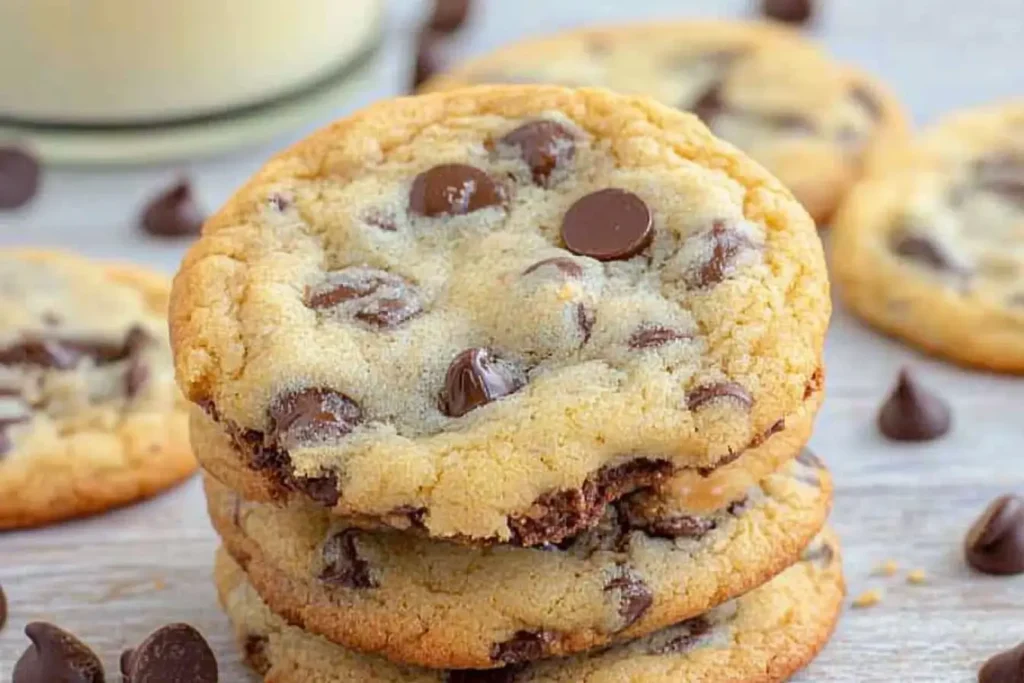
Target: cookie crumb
{"type": "Point", "coordinates": [887, 568]}
{"type": "Point", "coordinates": [868, 598]}
{"type": "Point", "coordinates": [917, 577]}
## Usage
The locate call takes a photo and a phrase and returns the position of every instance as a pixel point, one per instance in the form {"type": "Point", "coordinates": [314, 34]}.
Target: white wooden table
{"type": "Point", "coordinates": [113, 578]}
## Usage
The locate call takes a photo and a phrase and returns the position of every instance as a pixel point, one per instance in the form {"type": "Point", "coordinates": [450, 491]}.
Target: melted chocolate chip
{"type": "Point", "coordinates": [449, 15]}
{"type": "Point", "coordinates": [995, 543]}
{"type": "Point", "coordinates": [814, 464]}
{"type": "Point", "coordinates": [608, 225]}
{"type": "Point", "coordinates": [524, 646]}
{"type": "Point", "coordinates": [255, 648]}
{"type": "Point", "coordinates": [176, 653]}
{"type": "Point", "coordinates": [136, 377]}
{"type": "Point", "coordinates": [19, 177]}
{"type": "Point", "coordinates": [632, 594]}
{"type": "Point", "coordinates": [505, 674]}
{"type": "Point", "coordinates": [323, 489]}
{"type": "Point", "coordinates": [709, 105]}
{"type": "Point", "coordinates": [278, 203]}
{"type": "Point", "coordinates": [544, 146]}
{"type": "Point", "coordinates": [173, 213]}
{"type": "Point", "coordinates": [56, 656]}
{"type": "Point", "coordinates": [911, 413]}
{"type": "Point", "coordinates": [566, 266]}
{"type": "Point", "coordinates": [820, 554]}
{"type": "Point", "coordinates": [477, 377]}
{"type": "Point", "coordinates": [921, 249]}
{"type": "Point", "coordinates": [722, 246]}
{"type": "Point", "coordinates": [690, 633]}
{"type": "Point", "coordinates": [1002, 174]}
{"type": "Point", "coordinates": [1004, 667]}
{"type": "Point", "coordinates": [655, 336]}
{"type": "Point", "coordinates": [309, 417]}
{"type": "Point", "coordinates": [343, 565]}
{"type": "Point", "coordinates": [677, 526]}
{"type": "Point", "coordinates": [453, 190]}
{"type": "Point", "coordinates": [373, 296]}
{"type": "Point", "coordinates": [709, 393]}
{"type": "Point", "coordinates": [789, 11]}
{"type": "Point", "coordinates": [584, 321]}
{"type": "Point", "coordinates": [64, 354]}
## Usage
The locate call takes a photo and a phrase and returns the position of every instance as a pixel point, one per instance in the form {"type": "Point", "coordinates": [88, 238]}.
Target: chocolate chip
{"type": "Point", "coordinates": [708, 105]}
{"type": "Point", "coordinates": [382, 220]}
{"type": "Point", "coordinates": [478, 376]}
{"type": "Point", "coordinates": [255, 648]}
{"type": "Point", "coordinates": [584, 321]}
{"type": "Point", "coordinates": [428, 57]}
{"type": "Point", "coordinates": [373, 296]}
{"type": "Point", "coordinates": [19, 177]}
{"type": "Point", "coordinates": [176, 653]}
{"type": "Point", "coordinates": [912, 413]}
{"type": "Point", "coordinates": [56, 656]}
{"type": "Point", "coordinates": [921, 249]}
{"type": "Point", "coordinates": [814, 464]}
{"type": "Point", "coordinates": [343, 565]}
{"type": "Point", "coordinates": [566, 266]}
{"type": "Point", "coordinates": [278, 202]}
{"type": "Point", "coordinates": [677, 526]}
{"type": "Point", "coordinates": [684, 636]}
{"type": "Point", "coordinates": [524, 646]}
{"type": "Point", "coordinates": [655, 336]}
{"type": "Point", "coordinates": [505, 674]}
{"type": "Point", "coordinates": [449, 15]}
{"type": "Point", "coordinates": [820, 554]}
{"type": "Point", "coordinates": [809, 459]}
{"type": "Point", "coordinates": [308, 417]}
{"type": "Point", "coordinates": [721, 246]}
{"type": "Point", "coordinates": [719, 391]}
{"type": "Point", "coordinates": [632, 594]}
{"type": "Point", "coordinates": [136, 376]}
{"type": "Point", "coordinates": [544, 146]}
{"type": "Point", "coordinates": [608, 225]}
{"type": "Point", "coordinates": [995, 543]}
{"type": "Point", "coordinates": [867, 100]}
{"type": "Point", "coordinates": [173, 213]}
{"type": "Point", "coordinates": [1002, 174]}
{"type": "Point", "coordinates": [3, 608]}
{"type": "Point", "coordinates": [323, 489]}
{"type": "Point", "coordinates": [453, 190]}
{"type": "Point", "coordinates": [46, 353]}
{"type": "Point", "coordinates": [1004, 667]}
{"type": "Point", "coordinates": [789, 11]}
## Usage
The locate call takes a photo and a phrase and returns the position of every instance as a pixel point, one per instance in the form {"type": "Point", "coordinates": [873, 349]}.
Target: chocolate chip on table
{"type": "Point", "coordinates": [173, 213]}
{"type": "Point", "coordinates": [449, 15]}
{"type": "Point", "coordinates": [921, 249]}
{"type": "Point", "coordinates": [719, 391]}
{"type": "Point", "coordinates": [655, 336]}
{"type": "Point", "coordinates": [19, 177]}
{"type": "Point", "coordinates": [723, 246]}
{"type": "Point", "coordinates": [176, 653]}
{"type": "Point", "coordinates": [453, 190]}
{"type": "Point", "coordinates": [478, 376]}
{"type": "Point", "coordinates": [995, 542]}
{"type": "Point", "coordinates": [789, 11]}
{"type": "Point", "coordinates": [343, 566]}
{"type": "Point", "coordinates": [633, 595]}
{"type": "Point", "coordinates": [566, 266]}
{"type": "Point", "coordinates": [608, 225]}
{"type": "Point", "coordinates": [312, 416]}
{"type": "Point", "coordinates": [1004, 667]}
{"type": "Point", "coordinates": [544, 146]}
{"type": "Point", "coordinates": [56, 656]}
{"type": "Point", "coordinates": [373, 296]}
{"type": "Point", "coordinates": [912, 413]}
{"type": "Point", "coordinates": [524, 646]}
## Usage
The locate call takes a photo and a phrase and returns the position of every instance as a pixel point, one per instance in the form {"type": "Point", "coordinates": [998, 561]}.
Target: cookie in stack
{"type": "Point", "coordinates": [512, 383]}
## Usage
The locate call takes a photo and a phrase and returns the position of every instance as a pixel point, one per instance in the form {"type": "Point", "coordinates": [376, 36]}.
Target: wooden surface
{"type": "Point", "coordinates": [113, 578]}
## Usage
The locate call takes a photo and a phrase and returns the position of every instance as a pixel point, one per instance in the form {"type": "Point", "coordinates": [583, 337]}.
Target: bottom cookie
{"type": "Point", "coordinates": [764, 636]}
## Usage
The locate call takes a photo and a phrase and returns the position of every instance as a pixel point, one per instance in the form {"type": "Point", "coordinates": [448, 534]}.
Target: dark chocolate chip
{"type": "Point", "coordinates": [690, 633]}
{"type": "Point", "coordinates": [584, 321]}
{"type": "Point", "coordinates": [995, 543]}
{"type": "Point", "coordinates": [505, 674]}
{"type": "Point", "coordinates": [921, 249]}
{"type": "Point", "coordinates": [655, 336]}
{"type": "Point", "coordinates": [56, 656]}
{"type": "Point", "coordinates": [820, 554]}
{"type": "Point", "coordinates": [428, 57]}
{"type": "Point", "coordinates": [1004, 667]}
{"type": "Point", "coordinates": [46, 353]}
{"type": "Point", "coordinates": [524, 646]}
{"type": "Point", "coordinates": [678, 526]}
{"type": "Point", "coordinates": [566, 266]}
{"type": "Point", "coordinates": [544, 146]}
{"type": "Point", "coordinates": [709, 105]}
{"type": "Point", "coordinates": [632, 594]}
{"type": "Point", "coordinates": [789, 11]}
{"type": "Point", "coordinates": [373, 296]}
{"type": "Point", "coordinates": [323, 489]}
{"type": "Point", "coordinates": [1002, 174]}
{"type": "Point", "coordinates": [136, 376]}
{"type": "Point", "coordinates": [449, 15]}
{"type": "Point", "coordinates": [478, 376]}
{"type": "Point", "coordinates": [3, 608]}
{"type": "Point", "coordinates": [722, 246]}
{"type": "Point", "coordinates": [308, 417]}
{"type": "Point", "coordinates": [776, 427]}
{"type": "Point", "coordinates": [728, 391]}
{"type": "Point", "coordinates": [343, 565]}
{"type": "Point", "coordinates": [278, 202]}
{"type": "Point", "coordinates": [255, 649]}
{"type": "Point", "coordinates": [173, 213]}
{"type": "Point", "coordinates": [176, 653]}
{"type": "Point", "coordinates": [912, 413]}
{"type": "Point", "coordinates": [453, 190]}
{"type": "Point", "coordinates": [19, 177]}
{"type": "Point", "coordinates": [608, 225]}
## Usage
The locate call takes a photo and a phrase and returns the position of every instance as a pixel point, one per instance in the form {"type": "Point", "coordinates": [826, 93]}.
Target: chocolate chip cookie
{"type": "Point", "coordinates": [814, 123]}
{"type": "Point", "coordinates": [90, 417]}
{"type": "Point", "coordinates": [931, 247]}
{"type": "Point", "coordinates": [765, 636]}
{"type": "Point", "coordinates": [439, 604]}
{"type": "Point", "coordinates": [473, 306]}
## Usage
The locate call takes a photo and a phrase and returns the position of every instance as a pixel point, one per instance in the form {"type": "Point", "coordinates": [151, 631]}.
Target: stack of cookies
{"type": "Point", "coordinates": [512, 383]}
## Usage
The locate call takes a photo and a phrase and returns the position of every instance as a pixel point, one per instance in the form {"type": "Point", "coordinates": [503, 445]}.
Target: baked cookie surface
{"type": "Point", "coordinates": [931, 248]}
{"type": "Point", "coordinates": [460, 305]}
{"type": "Point", "coordinates": [812, 122]}
{"type": "Point", "coordinates": [764, 636]}
{"type": "Point", "coordinates": [90, 417]}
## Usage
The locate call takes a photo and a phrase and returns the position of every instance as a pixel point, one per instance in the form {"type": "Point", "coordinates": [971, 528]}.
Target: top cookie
{"type": "Point", "coordinates": [932, 247]}
{"type": "Point", "coordinates": [814, 123]}
{"type": "Point", "coordinates": [456, 304]}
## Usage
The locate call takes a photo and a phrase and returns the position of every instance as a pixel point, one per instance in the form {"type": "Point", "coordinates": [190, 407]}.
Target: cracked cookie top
{"type": "Point", "coordinates": [459, 302]}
